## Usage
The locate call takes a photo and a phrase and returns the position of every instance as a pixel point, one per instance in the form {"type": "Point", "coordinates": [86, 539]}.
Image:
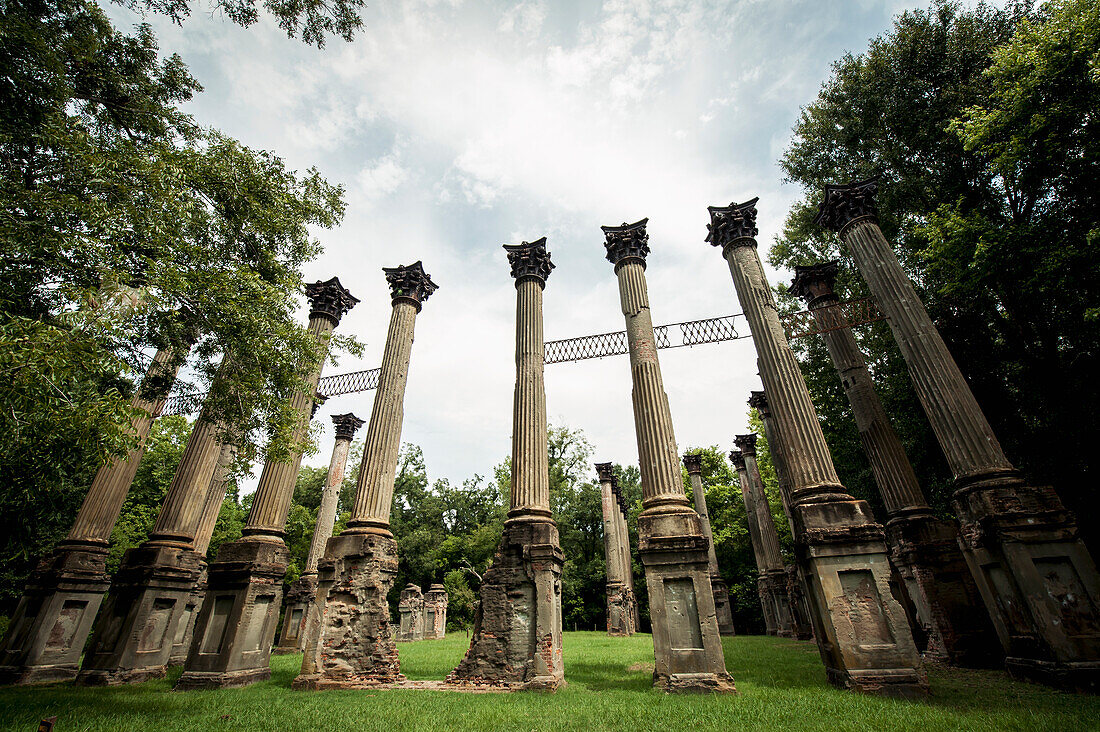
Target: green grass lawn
{"type": "Point", "coordinates": [782, 686]}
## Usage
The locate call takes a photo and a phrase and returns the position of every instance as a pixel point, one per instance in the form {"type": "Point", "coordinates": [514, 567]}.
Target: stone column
{"type": "Point", "coordinates": [352, 643]}
{"type": "Point", "coordinates": [624, 553]}
{"type": "Point", "coordinates": [693, 463]}
{"type": "Point", "coordinates": [772, 579]}
{"type": "Point", "coordinates": [411, 611]}
{"type": "Point", "coordinates": [924, 549]}
{"type": "Point", "coordinates": [686, 643]}
{"type": "Point", "coordinates": [517, 626]}
{"type": "Point", "coordinates": [236, 625]}
{"type": "Point", "coordinates": [800, 616]}
{"type": "Point", "coordinates": [300, 607]}
{"type": "Point", "coordinates": [865, 639]}
{"type": "Point", "coordinates": [145, 610]}
{"type": "Point", "coordinates": [215, 497]}
{"type": "Point", "coordinates": [618, 610]}
{"type": "Point", "coordinates": [1039, 582]}
{"type": "Point", "coordinates": [435, 612]}
{"type": "Point", "coordinates": [54, 617]}
{"type": "Point", "coordinates": [767, 602]}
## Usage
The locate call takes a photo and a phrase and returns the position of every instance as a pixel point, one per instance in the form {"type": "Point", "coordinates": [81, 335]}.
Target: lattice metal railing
{"type": "Point", "coordinates": [338, 384]}
{"type": "Point", "coordinates": [674, 335]}
{"type": "Point", "coordinates": [844, 315]}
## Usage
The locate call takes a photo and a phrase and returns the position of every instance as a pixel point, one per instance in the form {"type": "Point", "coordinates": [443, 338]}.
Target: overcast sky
{"type": "Point", "coordinates": [456, 127]}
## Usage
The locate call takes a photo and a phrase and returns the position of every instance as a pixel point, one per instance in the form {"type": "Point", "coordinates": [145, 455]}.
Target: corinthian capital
{"type": "Point", "coordinates": [346, 425]}
{"type": "Point", "coordinates": [759, 400]}
{"type": "Point", "coordinates": [815, 281]}
{"type": "Point", "coordinates": [330, 300]}
{"type": "Point", "coordinates": [738, 459]}
{"type": "Point", "coordinates": [530, 260]}
{"type": "Point", "coordinates": [846, 204]}
{"type": "Point", "coordinates": [693, 461]}
{"type": "Point", "coordinates": [410, 283]}
{"type": "Point", "coordinates": [733, 225]}
{"type": "Point", "coordinates": [747, 443]}
{"type": "Point", "coordinates": [604, 471]}
{"type": "Point", "coordinates": [627, 243]}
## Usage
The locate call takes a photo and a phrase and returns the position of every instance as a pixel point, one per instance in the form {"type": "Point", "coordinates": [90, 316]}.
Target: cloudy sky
{"type": "Point", "coordinates": [456, 127]}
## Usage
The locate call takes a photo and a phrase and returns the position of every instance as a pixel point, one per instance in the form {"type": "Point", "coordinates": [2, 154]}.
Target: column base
{"type": "Point", "coordinates": [54, 617]}
{"type": "Point", "coordinates": [722, 609]}
{"type": "Point", "coordinates": [864, 636]}
{"type": "Point", "coordinates": [517, 626]}
{"type": "Point", "coordinates": [142, 618]}
{"type": "Point", "coordinates": [1081, 677]}
{"type": "Point", "coordinates": [435, 612]}
{"type": "Point", "coordinates": [298, 600]}
{"type": "Point", "coordinates": [236, 625]}
{"type": "Point", "coordinates": [187, 624]}
{"type": "Point", "coordinates": [772, 587]}
{"type": "Point", "coordinates": [802, 625]}
{"type": "Point", "coordinates": [1037, 579]}
{"type": "Point", "coordinates": [687, 649]}
{"type": "Point", "coordinates": [352, 644]}
{"type": "Point", "coordinates": [925, 551]}
{"type": "Point", "coordinates": [619, 621]}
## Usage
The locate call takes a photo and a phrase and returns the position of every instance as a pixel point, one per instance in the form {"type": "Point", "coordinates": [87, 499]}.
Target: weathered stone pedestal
{"type": "Point", "coordinates": [354, 645]}
{"type": "Point", "coordinates": [800, 609]}
{"type": "Point", "coordinates": [143, 615]}
{"type": "Point", "coordinates": [1038, 581]}
{"type": "Point", "coordinates": [435, 612]}
{"type": "Point", "coordinates": [862, 632]}
{"type": "Point", "coordinates": [232, 641]}
{"type": "Point", "coordinates": [299, 599]}
{"type": "Point", "coordinates": [185, 626]}
{"type": "Point", "coordinates": [630, 598]}
{"type": "Point", "coordinates": [620, 620]}
{"type": "Point", "coordinates": [671, 541]}
{"type": "Point", "coordinates": [410, 612]}
{"type": "Point", "coordinates": [54, 617]}
{"type": "Point", "coordinates": [517, 627]}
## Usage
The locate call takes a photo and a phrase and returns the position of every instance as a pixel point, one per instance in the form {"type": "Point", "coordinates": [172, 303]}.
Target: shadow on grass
{"type": "Point", "coordinates": [605, 676]}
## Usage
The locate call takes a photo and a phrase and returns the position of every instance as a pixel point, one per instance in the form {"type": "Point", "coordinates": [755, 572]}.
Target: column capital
{"type": "Point", "coordinates": [733, 225]}
{"type": "Point", "coordinates": [329, 299]}
{"type": "Point", "coordinates": [815, 283]}
{"type": "Point", "coordinates": [747, 443]}
{"type": "Point", "coordinates": [627, 243]}
{"type": "Point", "coordinates": [604, 471]}
{"type": "Point", "coordinates": [693, 461]}
{"type": "Point", "coordinates": [346, 425]}
{"type": "Point", "coordinates": [759, 400]}
{"type": "Point", "coordinates": [530, 260]}
{"type": "Point", "coordinates": [738, 459]}
{"type": "Point", "coordinates": [843, 205]}
{"type": "Point", "coordinates": [410, 283]}
{"type": "Point", "coordinates": [318, 400]}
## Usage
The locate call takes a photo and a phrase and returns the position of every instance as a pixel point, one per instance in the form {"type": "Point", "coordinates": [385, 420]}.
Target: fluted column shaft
{"type": "Point", "coordinates": [901, 493]}
{"type": "Point", "coordinates": [530, 467]}
{"type": "Point", "coordinates": [271, 503]}
{"type": "Point", "coordinates": [770, 553]}
{"type": "Point", "coordinates": [700, 494]}
{"type": "Point", "coordinates": [662, 484]}
{"type": "Point", "coordinates": [103, 502]}
{"type": "Point", "coordinates": [960, 426]}
{"type": "Point", "coordinates": [215, 497]}
{"type": "Point", "coordinates": [624, 549]}
{"type": "Point", "coordinates": [374, 491]}
{"type": "Point", "coordinates": [330, 496]}
{"type": "Point", "coordinates": [750, 516]}
{"type": "Point", "coordinates": [812, 474]}
{"type": "Point", "coordinates": [612, 540]}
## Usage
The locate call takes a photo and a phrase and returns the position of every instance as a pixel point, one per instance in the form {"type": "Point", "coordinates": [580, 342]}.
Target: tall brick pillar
{"type": "Point", "coordinates": [801, 619]}
{"type": "Point", "coordinates": [686, 643]}
{"type": "Point", "coordinates": [352, 643]}
{"type": "Point", "coordinates": [517, 627]}
{"type": "Point", "coordinates": [693, 463]}
{"type": "Point", "coordinates": [619, 619]}
{"type": "Point", "coordinates": [1039, 582]}
{"type": "Point", "coordinates": [299, 598]}
{"type": "Point", "coordinates": [52, 621]}
{"type": "Point", "coordinates": [236, 625]}
{"type": "Point", "coordinates": [923, 548]}
{"type": "Point", "coordinates": [865, 641]}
